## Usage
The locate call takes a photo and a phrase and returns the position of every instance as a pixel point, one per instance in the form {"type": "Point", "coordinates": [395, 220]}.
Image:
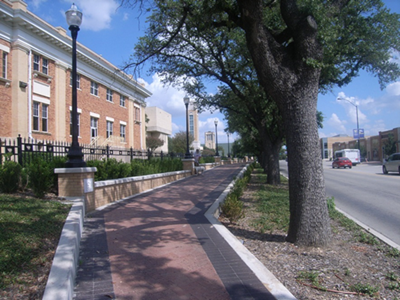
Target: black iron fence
{"type": "Point", "coordinates": [23, 150]}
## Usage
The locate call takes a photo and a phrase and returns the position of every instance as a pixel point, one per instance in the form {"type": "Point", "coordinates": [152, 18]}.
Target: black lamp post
{"type": "Point", "coordinates": [216, 137]}
{"type": "Point", "coordinates": [229, 155]}
{"type": "Point", "coordinates": [75, 155]}
{"type": "Point", "coordinates": [186, 100]}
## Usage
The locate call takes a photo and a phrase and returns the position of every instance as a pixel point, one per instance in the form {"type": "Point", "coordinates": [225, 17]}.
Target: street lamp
{"type": "Point", "coordinates": [229, 155]}
{"type": "Point", "coordinates": [186, 100]}
{"type": "Point", "coordinates": [216, 137]}
{"type": "Point", "coordinates": [75, 155]}
{"type": "Point", "coordinates": [358, 129]}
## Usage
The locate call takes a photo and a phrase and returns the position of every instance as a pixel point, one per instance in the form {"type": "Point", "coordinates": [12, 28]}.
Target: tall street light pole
{"type": "Point", "coordinates": [216, 137]}
{"type": "Point", "coordinates": [75, 155]}
{"type": "Point", "coordinates": [358, 129]}
{"type": "Point", "coordinates": [186, 100]}
{"type": "Point", "coordinates": [229, 155]}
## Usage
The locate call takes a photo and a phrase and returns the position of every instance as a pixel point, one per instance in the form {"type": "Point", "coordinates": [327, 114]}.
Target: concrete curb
{"type": "Point", "coordinates": [370, 230]}
{"type": "Point", "coordinates": [61, 281]}
{"type": "Point", "coordinates": [276, 288]}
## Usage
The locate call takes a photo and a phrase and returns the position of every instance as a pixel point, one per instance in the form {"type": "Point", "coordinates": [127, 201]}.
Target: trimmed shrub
{"type": "Point", "coordinates": [10, 174]}
{"type": "Point", "coordinates": [40, 173]}
{"type": "Point", "coordinates": [232, 208]}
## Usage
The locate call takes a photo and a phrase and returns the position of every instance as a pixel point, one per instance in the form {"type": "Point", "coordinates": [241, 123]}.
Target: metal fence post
{"type": "Point", "coordinates": [108, 151]}
{"type": "Point", "coordinates": [131, 154]}
{"type": "Point", "coordinates": [19, 146]}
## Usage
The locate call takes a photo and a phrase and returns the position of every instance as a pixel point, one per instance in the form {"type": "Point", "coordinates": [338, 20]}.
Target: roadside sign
{"type": "Point", "coordinates": [360, 135]}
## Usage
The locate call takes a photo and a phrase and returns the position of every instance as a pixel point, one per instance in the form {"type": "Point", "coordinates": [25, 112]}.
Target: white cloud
{"type": "Point", "coordinates": [167, 98]}
{"type": "Point", "coordinates": [37, 3]}
{"type": "Point", "coordinates": [393, 89]}
{"type": "Point", "coordinates": [97, 14]}
{"type": "Point", "coordinates": [336, 123]}
{"type": "Point", "coordinates": [170, 99]}
{"type": "Point", "coordinates": [353, 107]}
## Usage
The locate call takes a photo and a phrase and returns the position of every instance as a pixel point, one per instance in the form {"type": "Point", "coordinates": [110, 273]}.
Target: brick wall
{"type": "Point", "coordinates": [89, 103]}
{"type": "Point", "coordinates": [5, 96]}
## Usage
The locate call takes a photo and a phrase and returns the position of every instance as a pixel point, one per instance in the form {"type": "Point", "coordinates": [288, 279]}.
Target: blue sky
{"type": "Point", "coordinates": [113, 31]}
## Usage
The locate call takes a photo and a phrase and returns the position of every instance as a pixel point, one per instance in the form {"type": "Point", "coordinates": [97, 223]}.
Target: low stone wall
{"type": "Point", "coordinates": [109, 191]}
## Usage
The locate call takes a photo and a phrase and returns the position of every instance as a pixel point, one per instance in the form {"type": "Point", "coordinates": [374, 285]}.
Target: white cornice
{"type": "Point", "coordinates": [20, 19]}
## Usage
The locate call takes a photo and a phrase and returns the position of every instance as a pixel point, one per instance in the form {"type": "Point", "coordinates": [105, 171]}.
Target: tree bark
{"type": "Point", "coordinates": [287, 79]}
{"type": "Point", "coordinates": [270, 154]}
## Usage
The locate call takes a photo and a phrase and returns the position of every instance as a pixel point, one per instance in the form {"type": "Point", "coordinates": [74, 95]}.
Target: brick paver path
{"type": "Point", "coordinates": [159, 245]}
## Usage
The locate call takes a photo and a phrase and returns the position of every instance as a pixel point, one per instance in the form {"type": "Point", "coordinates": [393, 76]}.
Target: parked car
{"type": "Point", "coordinates": [392, 164]}
{"type": "Point", "coordinates": [342, 162]}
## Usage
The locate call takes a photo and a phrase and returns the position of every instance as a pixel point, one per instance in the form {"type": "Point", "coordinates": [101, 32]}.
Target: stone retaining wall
{"type": "Point", "coordinates": [109, 191]}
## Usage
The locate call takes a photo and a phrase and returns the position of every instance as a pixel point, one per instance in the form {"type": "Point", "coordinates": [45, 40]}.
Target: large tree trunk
{"type": "Point", "coordinates": [309, 219]}
{"type": "Point", "coordinates": [293, 84]}
{"type": "Point", "coordinates": [271, 157]}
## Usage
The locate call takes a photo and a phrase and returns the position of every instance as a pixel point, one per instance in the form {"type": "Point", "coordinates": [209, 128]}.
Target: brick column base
{"type": "Point", "coordinates": [75, 182]}
{"type": "Point", "coordinates": [188, 164]}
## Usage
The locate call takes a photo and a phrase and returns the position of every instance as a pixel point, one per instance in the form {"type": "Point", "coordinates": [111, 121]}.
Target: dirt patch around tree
{"type": "Point", "coordinates": [339, 271]}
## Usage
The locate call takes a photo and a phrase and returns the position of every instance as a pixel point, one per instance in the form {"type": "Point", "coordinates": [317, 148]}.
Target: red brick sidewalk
{"type": "Point", "coordinates": [159, 245]}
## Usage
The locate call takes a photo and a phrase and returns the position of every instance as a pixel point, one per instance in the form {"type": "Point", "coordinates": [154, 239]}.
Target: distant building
{"type": "Point", "coordinates": [35, 86]}
{"type": "Point", "coordinates": [327, 144]}
{"type": "Point", "coordinates": [209, 139]}
{"type": "Point", "coordinates": [159, 125]}
{"type": "Point", "coordinates": [372, 147]}
{"type": "Point", "coordinates": [194, 124]}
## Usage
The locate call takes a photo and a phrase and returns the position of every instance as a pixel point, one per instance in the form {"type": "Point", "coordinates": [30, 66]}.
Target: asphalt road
{"type": "Point", "coordinates": [367, 195]}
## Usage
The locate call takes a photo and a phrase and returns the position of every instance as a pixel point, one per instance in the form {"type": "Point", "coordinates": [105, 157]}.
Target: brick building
{"type": "Point", "coordinates": [372, 147]}
{"type": "Point", "coordinates": [35, 86]}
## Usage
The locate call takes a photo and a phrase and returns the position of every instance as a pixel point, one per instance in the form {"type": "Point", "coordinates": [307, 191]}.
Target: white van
{"type": "Point", "coordinates": [392, 164]}
{"type": "Point", "coordinates": [352, 154]}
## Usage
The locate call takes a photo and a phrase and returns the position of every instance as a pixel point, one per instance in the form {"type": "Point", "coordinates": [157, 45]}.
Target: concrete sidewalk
{"type": "Point", "coordinates": [160, 245]}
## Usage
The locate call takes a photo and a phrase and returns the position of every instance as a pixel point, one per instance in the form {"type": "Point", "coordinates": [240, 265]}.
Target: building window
{"type": "Point", "coordinates": [40, 116]}
{"type": "Point", "coordinates": [45, 119]}
{"type": "Point", "coordinates": [79, 124]}
{"type": "Point", "coordinates": [94, 88]}
{"type": "Point", "coordinates": [122, 132]}
{"type": "Point", "coordinates": [137, 114]}
{"type": "Point", "coordinates": [45, 66]}
{"type": "Point", "coordinates": [109, 95]}
{"type": "Point", "coordinates": [122, 101]}
{"type": "Point", "coordinates": [93, 127]}
{"type": "Point", "coordinates": [78, 81]}
{"type": "Point", "coordinates": [35, 115]}
{"type": "Point", "coordinates": [4, 66]}
{"type": "Point", "coordinates": [109, 129]}
{"type": "Point", "coordinates": [36, 62]}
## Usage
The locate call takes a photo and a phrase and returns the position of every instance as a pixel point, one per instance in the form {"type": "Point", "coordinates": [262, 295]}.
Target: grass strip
{"type": "Point", "coordinates": [29, 229]}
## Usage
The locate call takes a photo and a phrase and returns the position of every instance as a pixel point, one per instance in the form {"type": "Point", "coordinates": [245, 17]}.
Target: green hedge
{"type": "Point", "coordinates": [38, 173]}
{"type": "Point", "coordinates": [232, 208]}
